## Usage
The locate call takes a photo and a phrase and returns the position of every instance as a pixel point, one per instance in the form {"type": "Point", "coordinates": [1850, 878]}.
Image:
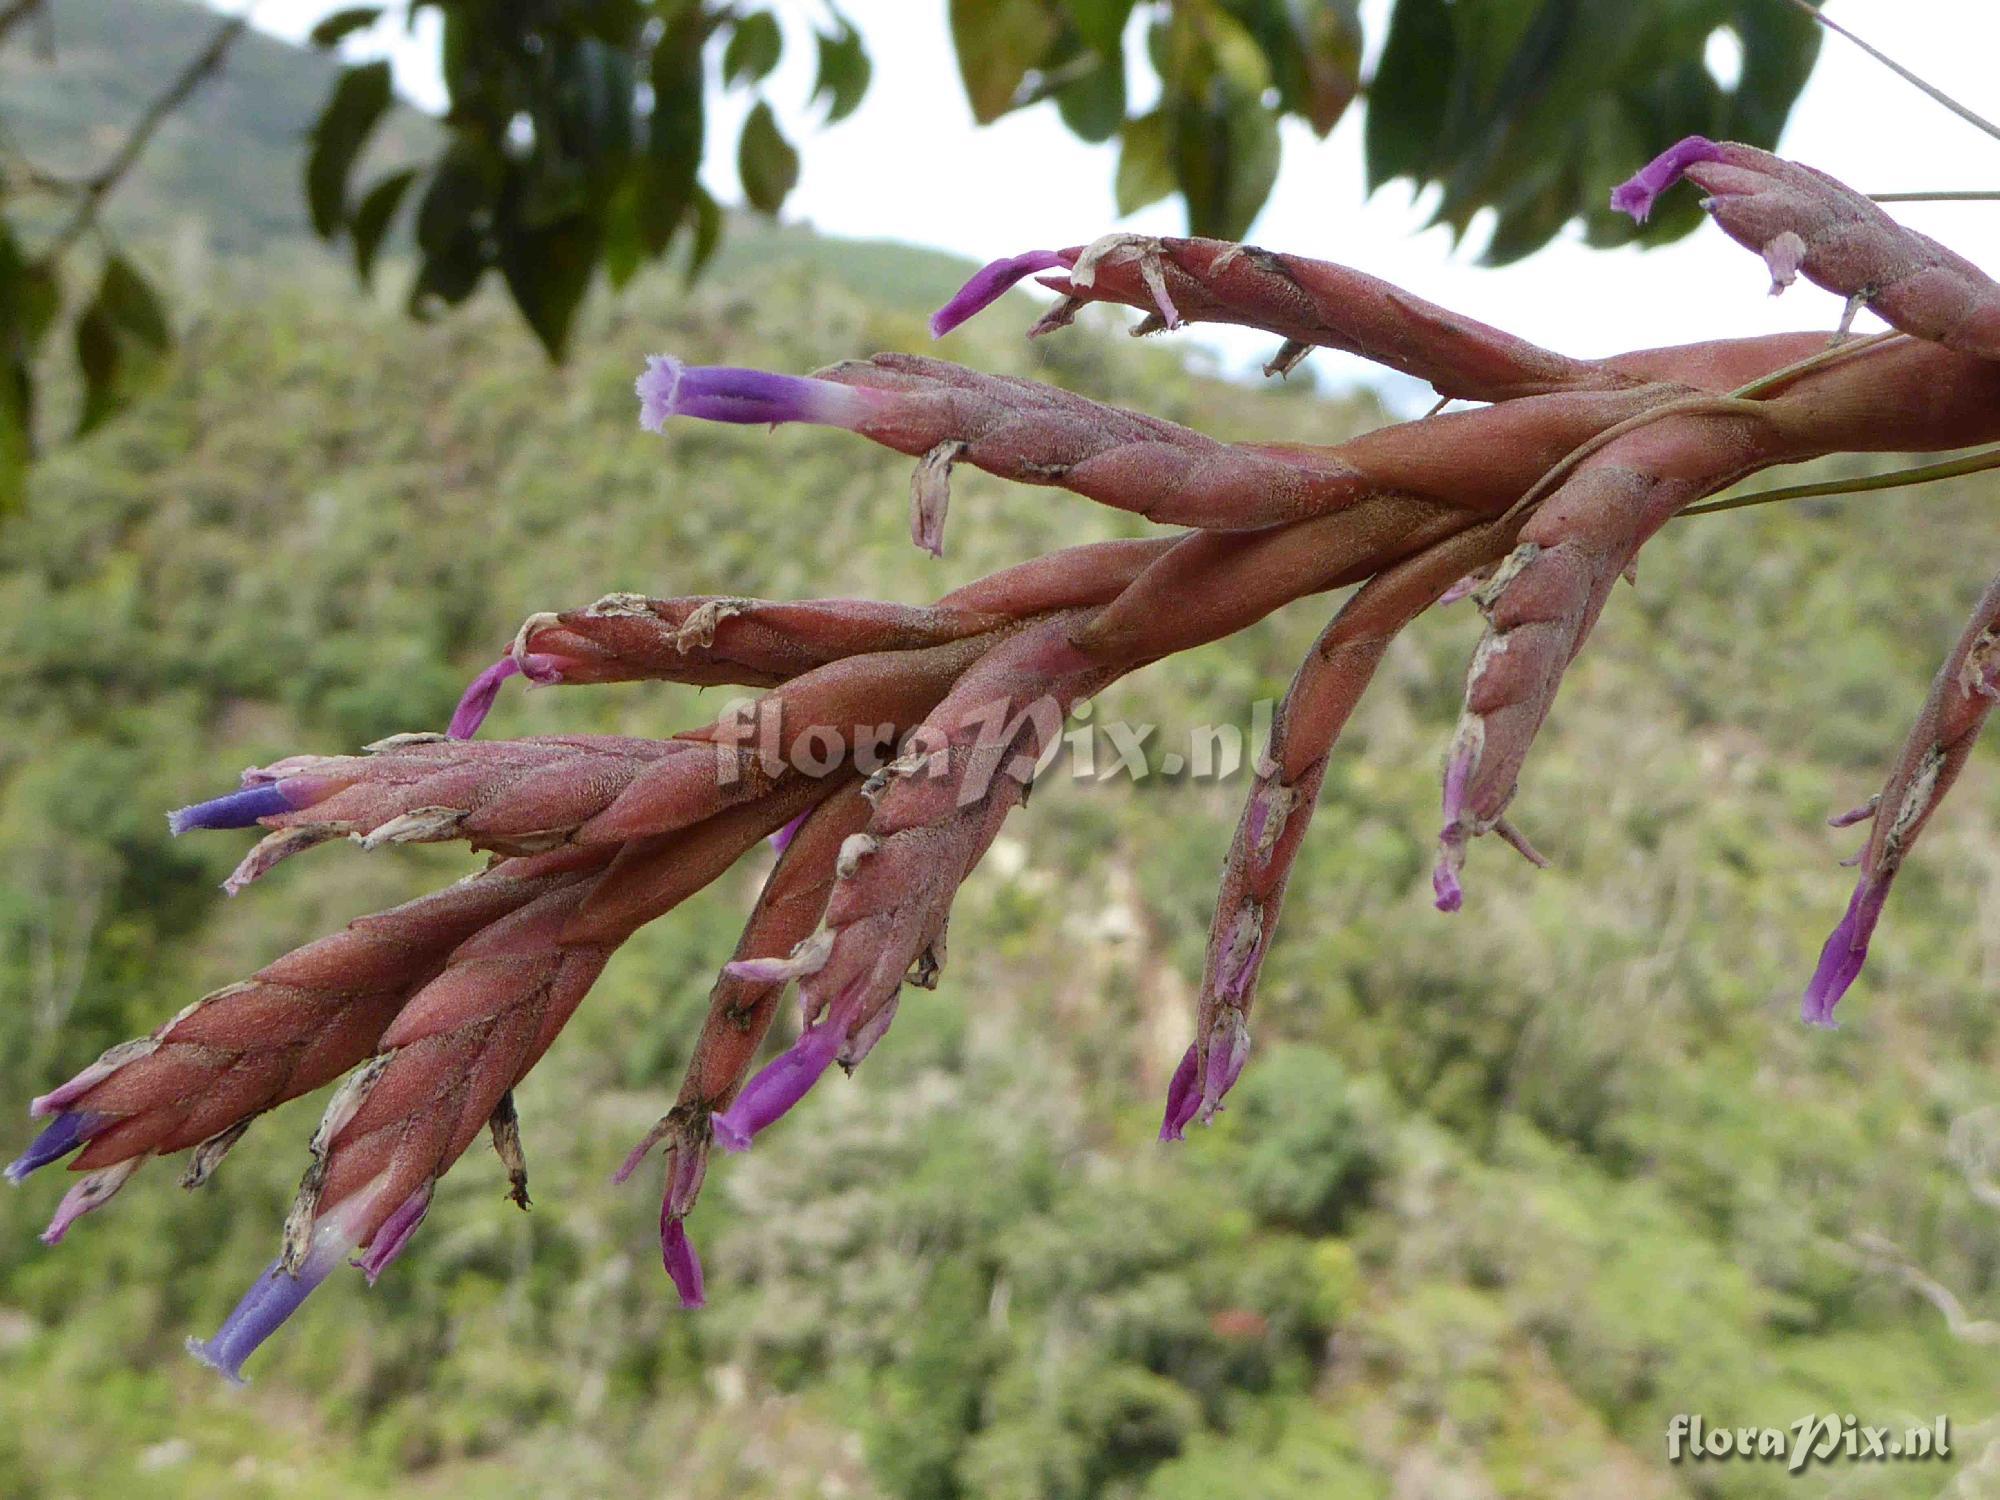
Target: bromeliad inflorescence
{"type": "Point", "coordinates": [1535, 502]}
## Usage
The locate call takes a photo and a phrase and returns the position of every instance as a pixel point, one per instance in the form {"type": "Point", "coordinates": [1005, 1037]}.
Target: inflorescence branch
{"type": "Point", "coordinates": [888, 743]}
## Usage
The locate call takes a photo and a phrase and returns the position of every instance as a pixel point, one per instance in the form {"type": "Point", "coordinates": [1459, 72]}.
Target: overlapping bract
{"type": "Point", "coordinates": [892, 741]}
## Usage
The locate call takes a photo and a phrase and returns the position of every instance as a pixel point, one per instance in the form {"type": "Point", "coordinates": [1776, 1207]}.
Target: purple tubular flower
{"type": "Point", "coordinates": [988, 285]}
{"type": "Point", "coordinates": [59, 1137]}
{"type": "Point", "coordinates": [1183, 1098]}
{"type": "Point", "coordinates": [236, 810]}
{"type": "Point", "coordinates": [782, 839]}
{"type": "Point", "coordinates": [683, 1265]}
{"type": "Point", "coordinates": [273, 1298]}
{"type": "Point", "coordinates": [783, 1081]}
{"type": "Point", "coordinates": [278, 1293]}
{"type": "Point", "coordinates": [1845, 952]}
{"type": "Point", "coordinates": [479, 699]}
{"type": "Point", "coordinates": [720, 393]}
{"type": "Point", "coordinates": [395, 1234]}
{"type": "Point", "coordinates": [1635, 195]}
{"type": "Point", "coordinates": [484, 689]}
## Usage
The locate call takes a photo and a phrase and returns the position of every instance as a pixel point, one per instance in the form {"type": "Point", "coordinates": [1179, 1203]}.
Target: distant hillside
{"type": "Point", "coordinates": [228, 162]}
{"type": "Point", "coordinates": [227, 166]}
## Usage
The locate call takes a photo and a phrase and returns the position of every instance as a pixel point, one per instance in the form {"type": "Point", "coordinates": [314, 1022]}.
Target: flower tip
{"type": "Point", "coordinates": [1183, 1097]}
{"type": "Point", "coordinates": [728, 1134]}
{"type": "Point", "coordinates": [58, 1138]}
{"type": "Point", "coordinates": [683, 1266]}
{"type": "Point", "coordinates": [987, 285]}
{"type": "Point", "coordinates": [1635, 195]}
{"type": "Point", "coordinates": [240, 809]}
{"type": "Point", "coordinates": [1844, 954]}
{"type": "Point", "coordinates": [1448, 894]}
{"type": "Point", "coordinates": [478, 699]}
{"type": "Point", "coordinates": [206, 1352]}
{"type": "Point", "coordinates": [658, 389]}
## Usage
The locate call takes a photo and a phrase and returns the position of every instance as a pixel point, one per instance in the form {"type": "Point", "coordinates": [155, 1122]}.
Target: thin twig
{"type": "Point", "coordinates": [12, 15]}
{"type": "Point", "coordinates": [1900, 71]}
{"type": "Point", "coordinates": [1972, 463]}
{"type": "Point", "coordinates": [97, 187]}
{"type": "Point", "coordinates": [1955, 195]}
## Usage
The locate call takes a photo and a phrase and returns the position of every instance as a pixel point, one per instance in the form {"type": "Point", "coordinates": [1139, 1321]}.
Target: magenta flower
{"type": "Point", "coordinates": [1846, 950]}
{"type": "Point", "coordinates": [1183, 1098]}
{"type": "Point", "coordinates": [1635, 195]}
{"type": "Point", "coordinates": [720, 393]}
{"type": "Point", "coordinates": [484, 690]}
{"type": "Point", "coordinates": [783, 1082]}
{"type": "Point", "coordinates": [395, 1234]}
{"type": "Point", "coordinates": [988, 284]}
{"type": "Point", "coordinates": [782, 839]}
{"type": "Point", "coordinates": [683, 1265]}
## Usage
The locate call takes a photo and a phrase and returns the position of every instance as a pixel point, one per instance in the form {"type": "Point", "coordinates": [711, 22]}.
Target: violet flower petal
{"type": "Point", "coordinates": [272, 1298]}
{"type": "Point", "coordinates": [782, 839]}
{"type": "Point", "coordinates": [479, 698]}
{"type": "Point", "coordinates": [988, 284]}
{"type": "Point", "coordinates": [784, 1081]}
{"type": "Point", "coordinates": [235, 810]}
{"type": "Point", "coordinates": [1846, 950]}
{"type": "Point", "coordinates": [58, 1138]}
{"type": "Point", "coordinates": [683, 1265]}
{"type": "Point", "coordinates": [394, 1234]}
{"type": "Point", "coordinates": [92, 1191]}
{"type": "Point", "coordinates": [722, 393]}
{"type": "Point", "coordinates": [1635, 195]}
{"type": "Point", "coordinates": [1183, 1098]}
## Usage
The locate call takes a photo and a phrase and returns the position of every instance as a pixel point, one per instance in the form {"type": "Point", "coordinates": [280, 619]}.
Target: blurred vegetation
{"type": "Point", "coordinates": [573, 136]}
{"type": "Point", "coordinates": [1499, 1195]}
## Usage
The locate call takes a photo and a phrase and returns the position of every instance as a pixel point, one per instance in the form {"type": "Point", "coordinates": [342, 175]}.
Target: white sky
{"type": "Point", "coordinates": [911, 165]}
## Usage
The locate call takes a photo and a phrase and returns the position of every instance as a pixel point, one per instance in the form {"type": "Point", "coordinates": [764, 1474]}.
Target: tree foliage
{"type": "Point", "coordinates": [573, 142]}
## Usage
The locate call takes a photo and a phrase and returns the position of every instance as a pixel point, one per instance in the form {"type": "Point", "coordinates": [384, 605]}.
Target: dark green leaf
{"type": "Point", "coordinates": [844, 71]}
{"type": "Point", "coordinates": [1145, 163]}
{"type": "Point", "coordinates": [98, 358]}
{"type": "Point", "coordinates": [372, 216]}
{"type": "Point", "coordinates": [134, 308]}
{"type": "Point", "coordinates": [1408, 94]}
{"type": "Point", "coordinates": [1094, 105]}
{"type": "Point", "coordinates": [1101, 23]}
{"type": "Point", "coordinates": [676, 134]}
{"type": "Point", "coordinates": [547, 268]}
{"type": "Point", "coordinates": [463, 186]}
{"type": "Point", "coordinates": [754, 48]}
{"type": "Point", "coordinates": [343, 23]}
{"type": "Point", "coordinates": [707, 232]}
{"type": "Point", "coordinates": [355, 108]}
{"type": "Point", "coordinates": [1226, 160]}
{"type": "Point", "coordinates": [997, 42]}
{"type": "Point", "coordinates": [766, 161]}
